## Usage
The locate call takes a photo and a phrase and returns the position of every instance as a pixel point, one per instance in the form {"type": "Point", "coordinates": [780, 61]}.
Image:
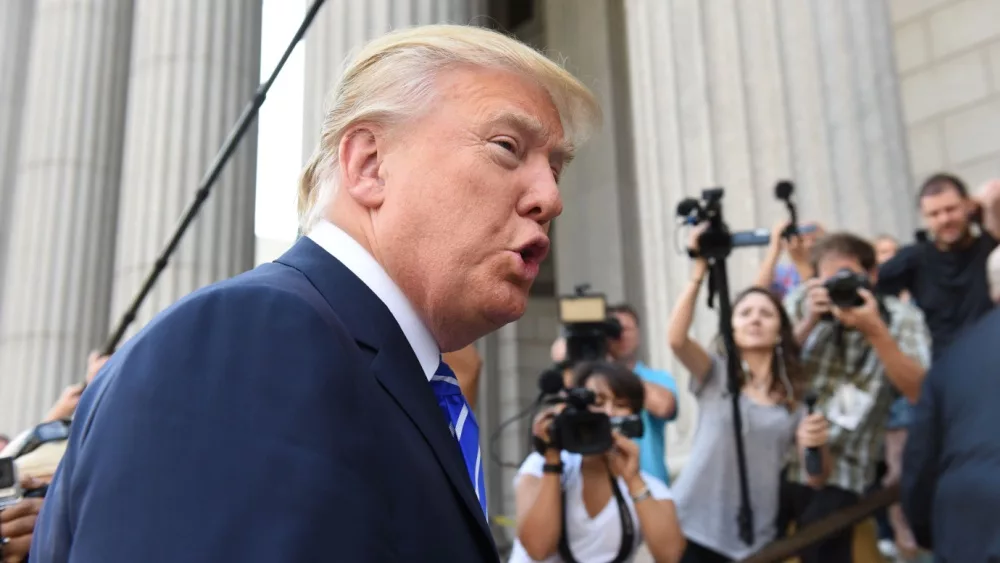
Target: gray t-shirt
{"type": "Point", "coordinates": [708, 491]}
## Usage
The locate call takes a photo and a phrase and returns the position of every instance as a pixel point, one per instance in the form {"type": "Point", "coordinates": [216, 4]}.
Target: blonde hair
{"type": "Point", "coordinates": [392, 78]}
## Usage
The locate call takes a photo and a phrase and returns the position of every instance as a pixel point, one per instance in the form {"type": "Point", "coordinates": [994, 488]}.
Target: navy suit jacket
{"type": "Point", "coordinates": [951, 466]}
{"type": "Point", "coordinates": [280, 415]}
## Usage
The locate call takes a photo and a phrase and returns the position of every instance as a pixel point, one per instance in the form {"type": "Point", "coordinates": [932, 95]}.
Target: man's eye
{"type": "Point", "coordinates": [506, 145]}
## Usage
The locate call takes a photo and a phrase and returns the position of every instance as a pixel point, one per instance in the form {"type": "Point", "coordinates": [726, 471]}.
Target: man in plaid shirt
{"type": "Point", "coordinates": [854, 357]}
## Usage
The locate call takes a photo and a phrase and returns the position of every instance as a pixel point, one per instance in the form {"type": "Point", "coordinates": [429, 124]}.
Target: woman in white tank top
{"type": "Point", "coordinates": [592, 528]}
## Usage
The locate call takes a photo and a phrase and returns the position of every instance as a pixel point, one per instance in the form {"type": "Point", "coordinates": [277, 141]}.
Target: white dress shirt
{"type": "Point", "coordinates": [358, 260]}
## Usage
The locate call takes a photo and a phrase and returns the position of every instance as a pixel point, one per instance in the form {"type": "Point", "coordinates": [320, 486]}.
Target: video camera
{"type": "Point", "coordinates": [578, 429]}
{"type": "Point", "coordinates": [587, 326]}
{"type": "Point", "coordinates": [588, 329]}
{"type": "Point", "coordinates": [717, 241]}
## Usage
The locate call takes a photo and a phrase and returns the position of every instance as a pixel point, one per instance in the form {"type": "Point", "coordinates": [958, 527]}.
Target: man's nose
{"type": "Point", "coordinates": [542, 201]}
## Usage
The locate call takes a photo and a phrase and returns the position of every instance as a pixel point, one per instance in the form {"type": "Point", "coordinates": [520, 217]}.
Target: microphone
{"type": "Point", "coordinates": [783, 190]}
{"type": "Point", "coordinates": [551, 381]}
{"type": "Point", "coordinates": [814, 462]}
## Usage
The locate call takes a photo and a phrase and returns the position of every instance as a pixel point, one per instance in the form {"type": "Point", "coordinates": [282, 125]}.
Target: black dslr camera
{"type": "Point", "coordinates": [588, 329]}
{"type": "Point", "coordinates": [843, 288]}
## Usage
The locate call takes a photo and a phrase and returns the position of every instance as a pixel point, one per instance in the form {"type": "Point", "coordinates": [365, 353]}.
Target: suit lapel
{"type": "Point", "coordinates": [402, 378]}
{"type": "Point", "coordinates": [395, 365]}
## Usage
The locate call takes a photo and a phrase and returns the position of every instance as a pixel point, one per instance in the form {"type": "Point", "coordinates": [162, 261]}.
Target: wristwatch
{"type": "Point", "coordinates": [643, 495]}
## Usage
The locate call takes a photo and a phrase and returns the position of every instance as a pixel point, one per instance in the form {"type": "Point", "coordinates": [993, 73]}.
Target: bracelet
{"type": "Point", "coordinates": [552, 468]}
{"type": "Point", "coordinates": [645, 494]}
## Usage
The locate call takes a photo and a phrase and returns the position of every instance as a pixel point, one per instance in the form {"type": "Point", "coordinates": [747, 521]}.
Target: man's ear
{"type": "Point", "coordinates": [360, 163]}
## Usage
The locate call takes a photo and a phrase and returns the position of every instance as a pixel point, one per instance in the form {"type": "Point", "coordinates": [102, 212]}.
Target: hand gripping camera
{"type": "Point", "coordinates": [843, 288]}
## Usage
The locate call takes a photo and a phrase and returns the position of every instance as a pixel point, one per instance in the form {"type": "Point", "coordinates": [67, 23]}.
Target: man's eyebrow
{"type": "Point", "coordinates": [529, 125]}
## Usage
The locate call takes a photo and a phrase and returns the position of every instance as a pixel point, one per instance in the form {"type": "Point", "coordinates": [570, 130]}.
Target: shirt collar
{"type": "Point", "coordinates": [360, 262]}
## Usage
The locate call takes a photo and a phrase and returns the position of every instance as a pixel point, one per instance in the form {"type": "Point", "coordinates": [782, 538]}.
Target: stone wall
{"type": "Point", "coordinates": [948, 60]}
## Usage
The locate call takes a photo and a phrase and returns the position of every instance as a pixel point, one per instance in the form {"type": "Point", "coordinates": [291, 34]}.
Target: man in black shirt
{"type": "Point", "coordinates": [946, 276]}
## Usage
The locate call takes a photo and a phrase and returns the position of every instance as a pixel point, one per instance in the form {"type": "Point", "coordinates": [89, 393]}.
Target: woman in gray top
{"type": "Point", "coordinates": [708, 492]}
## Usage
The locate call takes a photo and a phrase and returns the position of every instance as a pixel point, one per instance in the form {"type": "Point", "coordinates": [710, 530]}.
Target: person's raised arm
{"type": "Point", "coordinates": [538, 497]}
{"type": "Point", "coordinates": [654, 505]}
{"type": "Point", "coordinates": [988, 202]}
{"type": "Point", "coordinates": [905, 355]}
{"type": "Point", "coordinates": [765, 274]}
{"type": "Point", "coordinates": [899, 273]}
{"type": "Point", "coordinates": [688, 352]}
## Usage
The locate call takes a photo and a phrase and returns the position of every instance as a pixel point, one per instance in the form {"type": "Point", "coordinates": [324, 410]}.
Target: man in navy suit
{"type": "Point", "coordinates": [288, 414]}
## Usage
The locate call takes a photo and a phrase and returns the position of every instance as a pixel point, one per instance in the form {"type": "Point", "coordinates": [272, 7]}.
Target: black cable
{"type": "Point", "coordinates": [215, 170]}
{"type": "Point", "coordinates": [494, 438]}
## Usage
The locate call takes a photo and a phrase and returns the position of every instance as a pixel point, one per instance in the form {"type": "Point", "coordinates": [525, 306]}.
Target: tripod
{"type": "Point", "coordinates": [715, 244]}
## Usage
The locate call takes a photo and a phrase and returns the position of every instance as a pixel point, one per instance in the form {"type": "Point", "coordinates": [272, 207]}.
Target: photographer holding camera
{"type": "Point", "coordinates": [856, 348]}
{"type": "Point", "coordinates": [774, 420]}
{"type": "Point", "coordinates": [598, 506]}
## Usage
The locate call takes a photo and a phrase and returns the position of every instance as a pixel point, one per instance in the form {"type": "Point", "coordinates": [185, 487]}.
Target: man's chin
{"type": "Point", "coordinates": [509, 306]}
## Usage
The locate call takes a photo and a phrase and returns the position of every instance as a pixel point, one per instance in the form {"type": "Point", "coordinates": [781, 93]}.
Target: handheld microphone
{"type": "Point", "coordinates": [814, 461]}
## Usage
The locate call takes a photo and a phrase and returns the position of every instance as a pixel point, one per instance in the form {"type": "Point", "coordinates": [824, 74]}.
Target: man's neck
{"type": "Point", "coordinates": [966, 241]}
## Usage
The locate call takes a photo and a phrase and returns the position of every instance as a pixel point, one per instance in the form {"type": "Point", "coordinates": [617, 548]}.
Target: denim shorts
{"type": "Point", "coordinates": [900, 414]}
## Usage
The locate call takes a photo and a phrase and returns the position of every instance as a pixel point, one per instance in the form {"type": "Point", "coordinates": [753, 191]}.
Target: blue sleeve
{"type": "Point", "coordinates": [663, 379]}
{"type": "Point", "coordinates": [918, 483]}
{"type": "Point", "coordinates": [218, 434]}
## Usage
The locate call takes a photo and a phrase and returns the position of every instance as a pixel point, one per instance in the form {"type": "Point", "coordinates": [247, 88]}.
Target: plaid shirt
{"type": "Point", "coordinates": [831, 364]}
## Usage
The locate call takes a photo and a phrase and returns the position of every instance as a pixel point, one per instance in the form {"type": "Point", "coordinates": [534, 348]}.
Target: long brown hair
{"type": "Point", "coordinates": [787, 354]}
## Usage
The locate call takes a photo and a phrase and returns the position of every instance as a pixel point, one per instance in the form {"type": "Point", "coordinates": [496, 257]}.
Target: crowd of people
{"type": "Point", "coordinates": [864, 362]}
{"type": "Point", "coordinates": [304, 411]}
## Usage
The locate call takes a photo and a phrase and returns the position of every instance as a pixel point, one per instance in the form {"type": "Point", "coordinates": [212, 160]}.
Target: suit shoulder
{"type": "Point", "coordinates": [267, 295]}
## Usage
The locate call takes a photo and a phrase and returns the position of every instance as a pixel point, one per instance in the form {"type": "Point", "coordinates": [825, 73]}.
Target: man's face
{"type": "Point", "coordinates": [626, 346]}
{"type": "Point", "coordinates": [830, 264]}
{"type": "Point", "coordinates": [946, 215]}
{"type": "Point", "coordinates": [885, 248]}
{"type": "Point", "coordinates": [470, 192]}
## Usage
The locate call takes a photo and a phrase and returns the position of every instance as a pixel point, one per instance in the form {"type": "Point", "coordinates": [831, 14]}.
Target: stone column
{"type": "Point", "coordinates": [597, 231]}
{"type": "Point", "coordinates": [15, 43]}
{"type": "Point", "coordinates": [342, 26]}
{"type": "Point", "coordinates": [195, 67]}
{"type": "Point", "coordinates": [737, 95]}
{"type": "Point", "coordinates": [62, 231]}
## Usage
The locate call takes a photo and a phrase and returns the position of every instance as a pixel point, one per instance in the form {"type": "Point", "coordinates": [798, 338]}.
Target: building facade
{"type": "Point", "coordinates": [110, 111]}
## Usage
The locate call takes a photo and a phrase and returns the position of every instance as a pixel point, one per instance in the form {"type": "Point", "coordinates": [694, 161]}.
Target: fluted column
{"type": "Point", "coordinates": [195, 66]}
{"type": "Point", "coordinates": [599, 217]}
{"type": "Point", "coordinates": [740, 95]}
{"type": "Point", "coordinates": [15, 44]}
{"type": "Point", "coordinates": [58, 269]}
{"type": "Point", "coordinates": [343, 26]}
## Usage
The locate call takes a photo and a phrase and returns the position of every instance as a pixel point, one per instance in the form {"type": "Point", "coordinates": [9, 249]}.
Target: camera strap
{"type": "Point", "coordinates": [628, 527]}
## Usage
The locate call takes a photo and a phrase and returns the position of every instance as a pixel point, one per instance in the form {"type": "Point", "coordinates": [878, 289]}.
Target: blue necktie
{"type": "Point", "coordinates": [462, 424]}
